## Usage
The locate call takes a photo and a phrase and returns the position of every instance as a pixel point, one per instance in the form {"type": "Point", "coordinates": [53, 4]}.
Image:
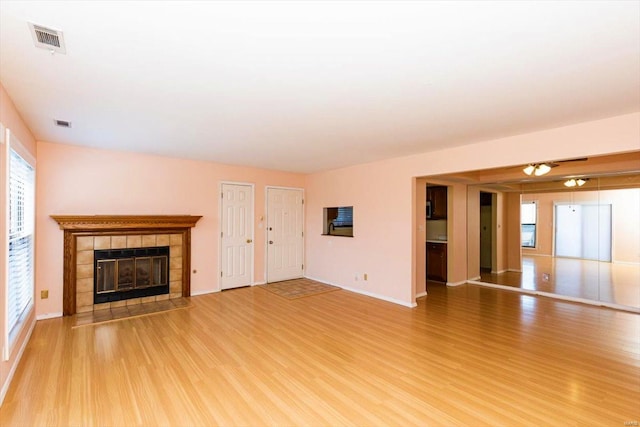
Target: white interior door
{"type": "Point", "coordinates": [285, 239]}
{"type": "Point", "coordinates": [236, 237]}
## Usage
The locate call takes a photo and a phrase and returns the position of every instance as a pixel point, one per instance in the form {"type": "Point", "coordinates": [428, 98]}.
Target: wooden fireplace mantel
{"type": "Point", "coordinates": [75, 226]}
{"type": "Point", "coordinates": [124, 222]}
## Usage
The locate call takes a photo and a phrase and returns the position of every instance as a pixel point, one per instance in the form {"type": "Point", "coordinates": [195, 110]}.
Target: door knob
{"type": "Point", "coordinates": [271, 242]}
{"type": "Point", "coordinates": [249, 240]}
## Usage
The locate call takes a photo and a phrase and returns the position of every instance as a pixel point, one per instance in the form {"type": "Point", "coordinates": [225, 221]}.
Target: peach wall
{"type": "Point", "coordinates": [382, 246]}
{"type": "Point", "coordinates": [10, 118]}
{"type": "Point", "coordinates": [625, 207]}
{"type": "Point", "coordinates": [76, 180]}
{"type": "Point", "coordinates": [383, 196]}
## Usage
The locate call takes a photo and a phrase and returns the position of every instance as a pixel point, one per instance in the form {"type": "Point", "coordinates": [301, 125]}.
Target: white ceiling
{"type": "Point", "coordinates": [310, 86]}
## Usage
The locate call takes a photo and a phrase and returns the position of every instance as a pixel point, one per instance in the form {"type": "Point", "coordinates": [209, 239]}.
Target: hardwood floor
{"type": "Point", "coordinates": [615, 283]}
{"type": "Point", "coordinates": [466, 355]}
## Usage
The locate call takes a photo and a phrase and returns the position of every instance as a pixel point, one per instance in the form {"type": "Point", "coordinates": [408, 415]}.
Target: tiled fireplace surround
{"type": "Point", "coordinates": [84, 234]}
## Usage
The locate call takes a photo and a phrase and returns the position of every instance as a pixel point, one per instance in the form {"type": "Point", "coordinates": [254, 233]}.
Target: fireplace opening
{"type": "Point", "coordinates": [130, 273]}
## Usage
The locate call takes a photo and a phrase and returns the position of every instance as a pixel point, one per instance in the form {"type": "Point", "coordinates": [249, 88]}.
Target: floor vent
{"type": "Point", "coordinates": [46, 38]}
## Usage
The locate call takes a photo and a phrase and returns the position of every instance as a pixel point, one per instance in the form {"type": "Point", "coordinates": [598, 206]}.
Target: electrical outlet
{"type": "Point", "coordinates": [545, 277]}
{"type": "Point", "coordinates": [44, 294]}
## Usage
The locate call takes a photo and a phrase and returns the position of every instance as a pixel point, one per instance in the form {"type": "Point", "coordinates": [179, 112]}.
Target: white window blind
{"type": "Point", "coordinates": [21, 242]}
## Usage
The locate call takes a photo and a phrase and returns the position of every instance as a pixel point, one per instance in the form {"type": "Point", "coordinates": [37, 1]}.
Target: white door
{"type": "Point", "coordinates": [285, 238]}
{"type": "Point", "coordinates": [236, 236]}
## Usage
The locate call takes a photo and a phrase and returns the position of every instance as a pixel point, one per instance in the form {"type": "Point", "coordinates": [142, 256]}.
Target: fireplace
{"type": "Point", "coordinates": [121, 274]}
{"type": "Point", "coordinates": [126, 244]}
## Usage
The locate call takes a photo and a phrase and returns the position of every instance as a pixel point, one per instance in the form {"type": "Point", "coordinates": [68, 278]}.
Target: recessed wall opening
{"type": "Point", "coordinates": [338, 221]}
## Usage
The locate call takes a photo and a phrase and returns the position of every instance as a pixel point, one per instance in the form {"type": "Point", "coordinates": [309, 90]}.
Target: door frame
{"type": "Point", "coordinates": [266, 228]}
{"type": "Point", "coordinates": [253, 231]}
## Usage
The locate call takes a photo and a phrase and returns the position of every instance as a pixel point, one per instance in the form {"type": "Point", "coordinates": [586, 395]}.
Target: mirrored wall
{"type": "Point", "coordinates": [572, 232]}
{"type": "Point", "coordinates": [581, 242]}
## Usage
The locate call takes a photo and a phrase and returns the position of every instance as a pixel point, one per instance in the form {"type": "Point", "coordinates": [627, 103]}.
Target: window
{"type": "Point", "coordinates": [528, 217]}
{"type": "Point", "coordinates": [338, 221]}
{"type": "Point", "coordinates": [21, 203]}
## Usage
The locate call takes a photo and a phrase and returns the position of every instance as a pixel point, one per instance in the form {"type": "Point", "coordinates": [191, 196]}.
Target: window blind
{"type": "Point", "coordinates": [21, 241]}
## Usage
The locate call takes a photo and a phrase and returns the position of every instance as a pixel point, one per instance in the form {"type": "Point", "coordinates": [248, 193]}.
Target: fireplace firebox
{"type": "Point", "coordinates": [121, 274]}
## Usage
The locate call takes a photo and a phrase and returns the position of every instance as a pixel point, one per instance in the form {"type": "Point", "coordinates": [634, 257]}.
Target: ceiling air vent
{"type": "Point", "coordinates": [63, 123]}
{"type": "Point", "coordinates": [46, 38]}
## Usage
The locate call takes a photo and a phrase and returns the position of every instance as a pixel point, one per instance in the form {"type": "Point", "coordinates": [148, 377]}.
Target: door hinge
{"type": "Point", "coordinates": [303, 266]}
{"type": "Point", "coordinates": [222, 195]}
{"type": "Point", "coordinates": [303, 201]}
{"type": "Point", "coordinates": [221, 274]}
{"type": "Point", "coordinates": [222, 234]}
{"type": "Point", "coordinates": [303, 234]}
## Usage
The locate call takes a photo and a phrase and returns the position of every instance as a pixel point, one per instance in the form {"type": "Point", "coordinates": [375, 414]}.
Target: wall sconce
{"type": "Point", "coordinates": [573, 182]}
{"type": "Point", "coordinates": [538, 169]}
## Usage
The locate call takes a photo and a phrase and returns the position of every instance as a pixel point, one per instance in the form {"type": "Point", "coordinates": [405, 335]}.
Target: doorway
{"type": "Point", "coordinates": [285, 234]}
{"type": "Point", "coordinates": [487, 215]}
{"type": "Point", "coordinates": [236, 236]}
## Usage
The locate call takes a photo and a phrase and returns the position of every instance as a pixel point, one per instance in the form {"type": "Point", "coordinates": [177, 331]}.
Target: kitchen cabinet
{"type": "Point", "coordinates": [437, 197]}
{"type": "Point", "coordinates": [437, 261]}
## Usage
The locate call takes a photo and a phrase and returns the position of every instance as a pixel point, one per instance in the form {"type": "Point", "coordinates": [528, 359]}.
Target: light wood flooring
{"type": "Point", "coordinates": [613, 283]}
{"type": "Point", "coordinates": [466, 355]}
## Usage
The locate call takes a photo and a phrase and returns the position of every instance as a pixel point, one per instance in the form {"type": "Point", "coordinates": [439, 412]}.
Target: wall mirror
{"type": "Point", "coordinates": [549, 235]}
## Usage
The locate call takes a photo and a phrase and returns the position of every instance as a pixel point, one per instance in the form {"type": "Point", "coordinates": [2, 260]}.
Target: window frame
{"type": "Point", "coordinates": [529, 224]}
{"type": "Point", "coordinates": [13, 331]}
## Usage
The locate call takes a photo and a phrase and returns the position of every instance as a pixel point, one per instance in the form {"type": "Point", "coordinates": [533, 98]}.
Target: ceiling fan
{"type": "Point", "coordinates": [539, 169]}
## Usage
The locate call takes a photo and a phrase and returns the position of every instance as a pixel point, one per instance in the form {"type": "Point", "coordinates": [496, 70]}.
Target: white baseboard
{"type": "Point", "coordinates": [369, 294]}
{"type": "Point", "coordinates": [421, 294]}
{"type": "Point", "coordinates": [208, 291]}
{"type": "Point", "coordinates": [473, 278]}
{"type": "Point", "coordinates": [46, 316]}
{"type": "Point", "coordinates": [259, 283]}
{"type": "Point", "coordinates": [514, 270]}
{"type": "Point", "coordinates": [456, 283]}
{"type": "Point", "coordinates": [12, 371]}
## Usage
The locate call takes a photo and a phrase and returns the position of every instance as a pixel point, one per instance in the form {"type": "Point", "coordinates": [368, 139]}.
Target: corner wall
{"type": "Point", "coordinates": [384, 197]}
{"type": "Point", "coordinates": [10, 118]}
{"type": "Point", "coordinates": [86, 181]}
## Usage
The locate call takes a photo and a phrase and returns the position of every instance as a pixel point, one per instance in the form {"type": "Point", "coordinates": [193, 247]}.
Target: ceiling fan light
{"type": "Point", "coordinates": [542, 169]}
{"type": "Point", "coordinates": [529, 169]}
{"type": "Point", "coordinates": [570, 183]}
{"type": "Point", "coordinates": [580, 182]}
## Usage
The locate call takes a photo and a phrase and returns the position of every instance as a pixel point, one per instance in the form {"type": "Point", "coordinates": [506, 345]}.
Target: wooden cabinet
{"type": "Point", "coordinates": [437, 261]}
{"type": "Point", "coordinates": [437, 196]}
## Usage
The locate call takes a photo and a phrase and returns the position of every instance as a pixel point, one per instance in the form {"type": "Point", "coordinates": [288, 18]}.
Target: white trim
{"type": "Point", "coordinates": [12, 371]}
{"type": "Point", "coordinates": [4, 241]}
{"type": "Point", "coordinates": [499, 272]}
{"type": "Point", "coordinates": [557, 296]}
{"type": "Point", "coordinates": [46, 316]}
{"type": "Point", "coordinates": [474, 278]}
{"type": "Point", "coordinates": [452, 284]}
{"type": "Point", "coordinates": [514, 270]}
{"type": "Point", "coordinates": [369, 294]}
{"type": "Point", "coordinates": [421, 294]}
{"type": "Point", "coordinates": [259, 283]}
{"type": "Point", "coordinates": [207, 291]}
{"type": "Point", "coordinates": [2, 133]}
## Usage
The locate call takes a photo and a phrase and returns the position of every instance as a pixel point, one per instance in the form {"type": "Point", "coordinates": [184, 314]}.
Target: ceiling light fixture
{"type": "Point", "coordinates": [573, 182]}
{"type": "Point", "coordinates": [538, 169]}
